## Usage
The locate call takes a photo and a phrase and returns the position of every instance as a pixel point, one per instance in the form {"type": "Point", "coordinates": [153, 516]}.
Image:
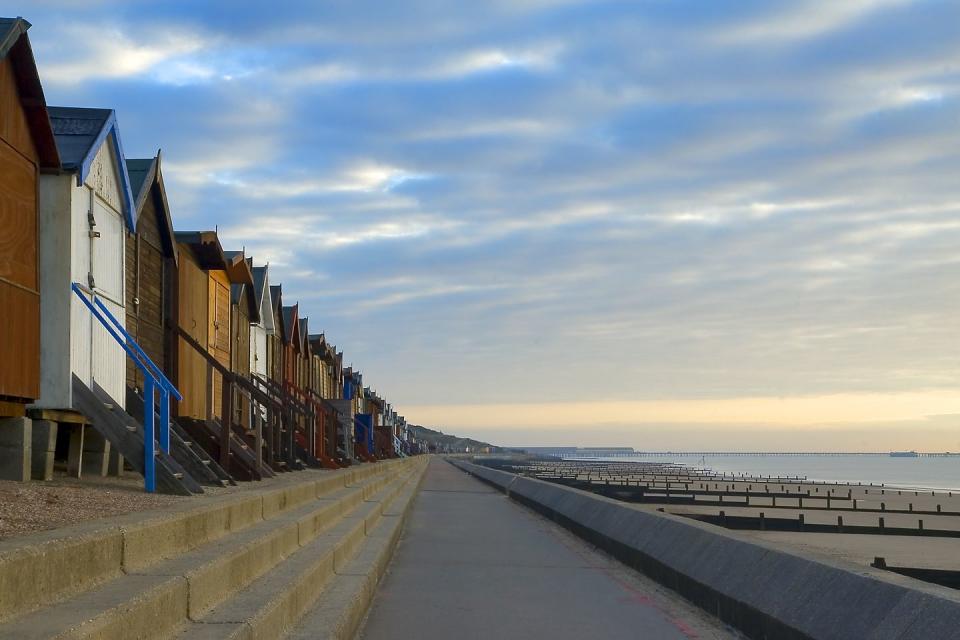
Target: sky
{"type": "Point", "coordinates": [667, 225]}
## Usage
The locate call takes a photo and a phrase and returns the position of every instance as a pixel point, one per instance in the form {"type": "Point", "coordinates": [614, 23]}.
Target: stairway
{"type": "Point", "coordinates": [183, 449]}
{"type": "Point", "coordinates": [250, 564]}
{"type": "Point", "coordinates": [243, 460]}
{"type": "Point", "coordinates": [126, 435]}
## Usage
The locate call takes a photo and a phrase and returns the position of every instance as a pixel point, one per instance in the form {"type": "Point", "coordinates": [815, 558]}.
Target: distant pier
{"type": "Point", "coordinates": [578, 453]}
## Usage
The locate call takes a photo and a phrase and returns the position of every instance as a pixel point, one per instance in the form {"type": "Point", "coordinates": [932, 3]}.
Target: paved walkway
{"type": "Point", "coordinates": [473, 564]}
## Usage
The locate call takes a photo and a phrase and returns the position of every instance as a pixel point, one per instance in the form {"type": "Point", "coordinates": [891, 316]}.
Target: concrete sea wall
{"type": "Point", "coordinates": [764, 591]}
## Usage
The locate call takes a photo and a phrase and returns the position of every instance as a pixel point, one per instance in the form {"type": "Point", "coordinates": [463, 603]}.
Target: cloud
{"type": "Point", "coordinates": [803, 19]}
{"type": "Point", "coordinates": [168, 56]}
{"type": "Point", "coordinates": [535, 203]}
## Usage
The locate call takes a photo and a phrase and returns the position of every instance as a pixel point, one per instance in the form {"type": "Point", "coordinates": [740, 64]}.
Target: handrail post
{"type": "Point", "coordinates": [226, 420]}
{"type": "Point", "coordinates": [164, 419]}
{"type": "Point", "coordinates": [149, 457]}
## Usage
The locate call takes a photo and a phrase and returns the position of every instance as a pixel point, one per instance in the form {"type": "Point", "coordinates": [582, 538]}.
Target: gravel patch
{"type": "Point", "coordinates": [36, 506]}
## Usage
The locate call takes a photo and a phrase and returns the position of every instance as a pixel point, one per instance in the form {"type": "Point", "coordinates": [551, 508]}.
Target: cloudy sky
{"type": "Point", "coordinates": [689, 225]}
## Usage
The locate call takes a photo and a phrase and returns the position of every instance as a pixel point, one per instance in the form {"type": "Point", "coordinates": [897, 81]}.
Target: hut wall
{"type": "Point", "coordinates": [218, 332]}
{"type": "Point", "coordinates": [19, 250]}
{"type": "Point", "coordinates": [56, 301]}
{"type": "Point", "coordinates": [240, 325]}
{"type": "Point", "coordinates": [192, 310]}
{"type": "Point", "coordinates": [259, 360]}
{"type": "Point", "coordinates": [145, 290]}
{"type": "Point", "coordinates": [276, 350]}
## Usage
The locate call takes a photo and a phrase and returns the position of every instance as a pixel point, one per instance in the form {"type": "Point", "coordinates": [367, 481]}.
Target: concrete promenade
{"type": "Point", "coordinates": [473, 564]}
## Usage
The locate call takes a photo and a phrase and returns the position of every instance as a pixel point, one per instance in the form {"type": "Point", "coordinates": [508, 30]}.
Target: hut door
{"type": "Point", "coordinates": [107, 366]}
{"type": "Point", "coordinates": [98, 265]}
{"type": "Point", "coordinates": [219, 333]}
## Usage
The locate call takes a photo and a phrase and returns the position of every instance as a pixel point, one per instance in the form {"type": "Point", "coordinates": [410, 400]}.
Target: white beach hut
{"type": "Point", "coordinates": [259, 350]}
{"type": "Point", "coordinates": [85, 212]}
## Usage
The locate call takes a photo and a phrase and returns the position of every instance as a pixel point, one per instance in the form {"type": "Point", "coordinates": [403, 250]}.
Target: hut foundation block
{"type": "Point", "coordinates": [89, 453]}
{"type": "Point", "coordinates": [115, 467]}
{"type": "Point", "coordinates": [15, 446]}
{"type": "Point", "coordinates": [44, 444]}
{"type": "Point", "coordinates": [96, 453]}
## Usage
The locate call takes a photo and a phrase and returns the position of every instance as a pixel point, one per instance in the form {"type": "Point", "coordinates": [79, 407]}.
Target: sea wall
{"type": "Point", "coordinates": [764, 591]}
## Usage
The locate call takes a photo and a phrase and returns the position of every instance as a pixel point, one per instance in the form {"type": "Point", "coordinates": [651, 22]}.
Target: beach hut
{"type": "Point", "coordinates": [292, 396]}
{"type": "Point", "coordinates": [202, 304]}
{"type": "Point", "coordinates": [273, 383]}
{"type": "Point", "coordinates": [205, 367]}
{"type": "Point", "coordinates": [151, 267]}
{"type": "Point", "coordinates": [264, 327]}
{"type": "Point", "coordinates": [326, 365]}
{"type": "Point", "coordinates": [85, 213]}
{"type": "Point", "coordinates": [292, 344]}
{"type": "Point", "coordinates": [243, 311]}
{"type": "Point", "coordinates": [276, 340]}
{"type": "Point", "coordinates": [329, 388]}
{"type": "Point", "coordinates": [362, 425]}
{"type": "Point", "coordinates": [27, 147]}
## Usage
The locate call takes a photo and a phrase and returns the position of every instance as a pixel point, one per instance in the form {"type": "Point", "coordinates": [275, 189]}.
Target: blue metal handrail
{"type": "Point", "coordinates": [146, 359]}
{"type": "Point", "coordinates": [165, 386]}
{"type": "Point", "coordinates": [153, 378]}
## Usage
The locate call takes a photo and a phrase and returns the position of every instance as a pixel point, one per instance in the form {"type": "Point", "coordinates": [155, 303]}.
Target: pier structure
{"type": "Point", "coordinates": [588, 453]}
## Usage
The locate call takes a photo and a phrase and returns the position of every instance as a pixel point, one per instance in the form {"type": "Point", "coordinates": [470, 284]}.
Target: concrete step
{"type": "Point", "coordinates": [278, 599]}
{"type": "Point", "coordinates": [153, 602]}
{"type": "Point", "coordinates": [344, 602]}
{"type": "Point", "coordinates": [142, 576]}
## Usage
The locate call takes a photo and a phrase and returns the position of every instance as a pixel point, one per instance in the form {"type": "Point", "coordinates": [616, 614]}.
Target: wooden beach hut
{"type": "Point", "coordinates": [204, 366]}
{"type": "Point", "coordinates": [27, 147]}
{"type": "Point", "coordinates": [243, 311]}
{"type": "Point", "coordinates": [276, 340]}
{"type": "Point", "coordinates": [292, 344]}
{"type": "Point", "coordinates": [203, 325]}
{"type": "Point", "coordinates": [151, 267]}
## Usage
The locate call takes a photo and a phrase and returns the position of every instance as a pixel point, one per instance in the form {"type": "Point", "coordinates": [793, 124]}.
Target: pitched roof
{"type": "Point", "coordinates": [10, 31]}
{"type": "Point", "coordinates": [80, 132]}
{"type": "Point", "coordinates": [205, 246]}
{"type": "Point", "coordinates": [15, 45]}
{"type": "Point", "coordinates": [259, 280]}
{"type": "Point", "coordinates": [290, 324]}
{"type": "Point", "coordinates": [238, 269]}
{"type": "Point", "coordinates": [276, 294]}
{"type": "Point", "coordinates": [145, 177]}
{"type": "Point", "coordinates": [236, 295]}
{"type": "Point", "coordinates": [139, 169]}
{"type": "Point", "coordinates": [305, 342]}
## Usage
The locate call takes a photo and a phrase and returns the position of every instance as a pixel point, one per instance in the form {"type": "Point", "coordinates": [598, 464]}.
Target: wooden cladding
{"type": "Point", "coordinates": [192, 317]}
{"type": "Point", "coordinates": [18, 218]}
{"type": "Point", "coordinates": [19, 252]}
{"type": "Point", "coordinates": [240, 328]}
{"type": "Point", "coordinates": [19, 343]}
{"type": "Point", "coordinates": [145, 291]}
{"type": "Point", "coordinates": [14, 129]}
{"type": "Point", "coordinates": [218, 336]}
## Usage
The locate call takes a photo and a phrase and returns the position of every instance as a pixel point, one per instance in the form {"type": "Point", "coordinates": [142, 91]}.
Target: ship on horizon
{"type": "Point", "coordinates": [904, 454]}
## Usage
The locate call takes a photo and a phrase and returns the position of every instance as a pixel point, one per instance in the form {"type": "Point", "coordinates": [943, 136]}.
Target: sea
{"type": "Point", "coordinates": [934, 473]}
